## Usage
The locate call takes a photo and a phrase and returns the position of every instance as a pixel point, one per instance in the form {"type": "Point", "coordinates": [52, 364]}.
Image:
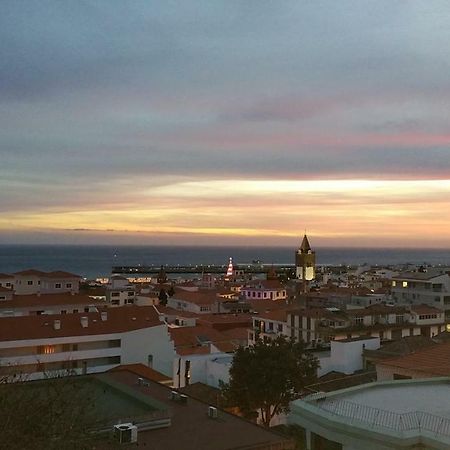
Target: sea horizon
{"type": "Point", "coordinates": [92, 261]}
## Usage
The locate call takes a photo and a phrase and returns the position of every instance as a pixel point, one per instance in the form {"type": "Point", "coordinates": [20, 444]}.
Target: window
{"type": "Point", "coordinates": [150, 361]}
{"type": "Point", "coordinates": [113, 302]}
{"type": "Point", "coordinates": [271, 326]}
{"type": "Point", "coordinates": [359, 320]}
{"type": "Point", "coordinates": [30, 282]}
{"type": "Point", "coordinates": [63, 311]}
{"type": "Point", "coordinates": [280, 327]}
{"type": "Point", "coordinates": [57, 285]}
{"type": "Point", "coordinates": [75, 311]}
{"type": "Point", "coordinates": [2, 297]}
{"type": "Point", "coordinates": [115, 294]}
{"type": "Point", "coordinates": [130, 294]}
{"type": "Point", "coordinates": [86, 309]}
{"type": "Point", "coordinates": [68, 285]}
{"type": "Point", "coordinates": [404, 284]}
{"type": "Point", "coordinates": [394, 283]}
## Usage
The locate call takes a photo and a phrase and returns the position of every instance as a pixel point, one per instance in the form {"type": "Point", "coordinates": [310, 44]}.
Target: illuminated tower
{"type": "Point", "coordinates": [230, 270]}
{"type": "Point", "coordinates": [305, 262]}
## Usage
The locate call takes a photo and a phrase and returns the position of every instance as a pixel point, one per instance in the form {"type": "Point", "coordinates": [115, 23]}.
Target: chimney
{"type": "Point", "coordinates": [84, 322]}
{"type": "Point", "coordinates": [104, 316]}
{"type": "Point", "coordinates": [57, 324]}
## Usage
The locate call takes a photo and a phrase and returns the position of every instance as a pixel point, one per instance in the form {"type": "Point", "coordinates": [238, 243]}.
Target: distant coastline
{"type": "Point", "coordinates": [96, 260]}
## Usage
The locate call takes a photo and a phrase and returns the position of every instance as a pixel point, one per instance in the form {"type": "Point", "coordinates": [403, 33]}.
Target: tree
{"type": "Point", "coordinates": [171, 291]}
{"type": "Point", "coordinates": [162, 297]}
{"type": "Point", "coordinates": [266, 377]}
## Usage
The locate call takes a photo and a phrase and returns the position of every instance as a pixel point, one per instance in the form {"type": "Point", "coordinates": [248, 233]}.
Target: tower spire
{"type": "Point", "coordinates": [305, 247]}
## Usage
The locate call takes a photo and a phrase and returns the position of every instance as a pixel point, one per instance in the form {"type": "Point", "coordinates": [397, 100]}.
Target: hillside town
{"type": "Point", "coordinates": [174, 339]}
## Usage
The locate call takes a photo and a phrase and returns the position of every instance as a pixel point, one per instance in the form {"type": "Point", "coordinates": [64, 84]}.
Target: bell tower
{"type": "Point", "coordinates": [305, 262]}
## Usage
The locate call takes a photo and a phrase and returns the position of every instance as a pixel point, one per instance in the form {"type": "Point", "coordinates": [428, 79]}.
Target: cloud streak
{"type": "Point", "coordinates": [186, 119]}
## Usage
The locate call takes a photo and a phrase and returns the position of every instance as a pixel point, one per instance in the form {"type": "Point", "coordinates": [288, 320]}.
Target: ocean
{"type": "Point", "coordinates": [97, 261]}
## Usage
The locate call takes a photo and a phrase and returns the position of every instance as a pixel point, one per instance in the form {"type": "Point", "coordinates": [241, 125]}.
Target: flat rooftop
{"type": "Point", "coordinates": [433, 398]}
{"type": "Point", "coordinates": [417, 410]}
{"type": "Point", "coordinates": [192, 429]}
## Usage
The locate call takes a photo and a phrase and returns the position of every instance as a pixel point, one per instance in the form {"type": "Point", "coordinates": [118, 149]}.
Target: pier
{"type": "Point", "coordinates": [200, 268]}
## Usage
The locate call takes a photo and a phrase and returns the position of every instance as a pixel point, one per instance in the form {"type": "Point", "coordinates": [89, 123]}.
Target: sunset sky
{"type": "Point", "coordinates": [225, 122]}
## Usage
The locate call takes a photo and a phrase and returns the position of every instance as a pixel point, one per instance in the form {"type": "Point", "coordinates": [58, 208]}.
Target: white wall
{"type": "Point", "coordinates": [207, 369]}
{"type": "Point", "coordinates": [137, 345]}
{"type": "Point", "coordinates": [346, 357]}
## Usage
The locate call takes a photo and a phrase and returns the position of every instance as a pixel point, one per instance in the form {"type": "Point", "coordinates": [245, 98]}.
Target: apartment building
{"type": "Point", "coordinates": [430, 286]}
{"type": "Point", "coordinates": [120, 292]}
{"type": "Point", "coordinates": [35, 346]}
{"type": "Point", "coordinates": [33, 281]}
{"type": "Point", "coordinates": [264, 290]}
{"type": "Point", "coordinates": [318, 326]}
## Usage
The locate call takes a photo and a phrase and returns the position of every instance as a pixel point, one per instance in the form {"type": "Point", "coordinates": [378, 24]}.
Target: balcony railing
{"type": "Point", "coordinates": [411, 421]}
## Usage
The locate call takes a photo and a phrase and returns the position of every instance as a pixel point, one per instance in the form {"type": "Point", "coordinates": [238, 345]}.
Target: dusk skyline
{"type": "Point", "coordinates": [225, 122]}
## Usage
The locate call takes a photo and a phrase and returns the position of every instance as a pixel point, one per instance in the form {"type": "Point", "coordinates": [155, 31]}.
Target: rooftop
{"type": "Point", "coordinates": [430, 360]}
{"type": "Point", "coordinates": [118, 320]}
{"type": "Point", "coordinates": [196, 340]}
{"type": "Point", "coordinates": [43, 300]}
{"type": "Point", "coordinates": [55, 274]}
{"type": "Point", "coordinates": [192, 429]}
{"type": "Point", "coordinates": [421, 276]}
{"type": "Point", "coordinates": [400, 413]}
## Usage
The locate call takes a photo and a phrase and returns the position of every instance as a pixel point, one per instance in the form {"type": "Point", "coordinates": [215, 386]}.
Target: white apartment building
{"type": "Point", "coordinates": [120, 292]}
{"type": "Point", "coordinates": [6, 281]}
{"type": "Point", "coordinates": [33, 281]}
{"type": "Point", "coordinates": [33, 347]}
{"type": "Point", "coordinates": [431, 286]}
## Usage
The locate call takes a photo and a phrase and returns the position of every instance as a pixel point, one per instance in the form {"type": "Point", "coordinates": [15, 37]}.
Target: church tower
{"type": "Point", "coordinates": [305, 262]}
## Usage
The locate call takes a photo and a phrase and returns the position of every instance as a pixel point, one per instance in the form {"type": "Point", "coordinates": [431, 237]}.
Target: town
{"type": "Point", "coordinates": [172, 341]}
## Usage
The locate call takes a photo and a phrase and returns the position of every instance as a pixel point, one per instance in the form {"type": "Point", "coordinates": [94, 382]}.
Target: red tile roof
{"type": "Point", "coordinates": [188, 340]}
{"type": "Point", "coordinates": [279, 315]}
{"type": "Point", "coordinates": [5, 276]}
{"type": "Point", "coordinates": [119, 320]}
{"type": "Point", "coordinates": [60, 274]}
{"type": "Point", "coordinates": [143, 371]}
{"type": "Point", "coordinates": [431, 360]}
{"type": "Point", "coordinates": [43, 300]}
{"type": "Point", "coordinates": [425, 309]}
{"type": "Point", "coordinates": [266, 304]}
{"type": "Point", "coordinates": [197, 297]}
{"type": "Point", "coordinates": [38, 273]}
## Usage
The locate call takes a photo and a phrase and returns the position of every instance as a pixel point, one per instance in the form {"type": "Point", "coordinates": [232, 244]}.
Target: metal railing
{"type": "Point", "coordinates": [415, 420]}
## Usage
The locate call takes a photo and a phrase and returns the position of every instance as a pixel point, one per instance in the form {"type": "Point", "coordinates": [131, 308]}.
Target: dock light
{"type": "Point", "coordinates": [447, 328]}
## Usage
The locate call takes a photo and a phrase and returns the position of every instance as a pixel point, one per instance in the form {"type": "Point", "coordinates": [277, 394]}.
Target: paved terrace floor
{"type": "Point", "coordinates": [432, 398]}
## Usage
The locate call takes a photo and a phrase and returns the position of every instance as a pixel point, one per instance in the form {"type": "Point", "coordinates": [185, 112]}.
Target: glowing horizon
{"type": "Point", "coordinates": [225, 123]}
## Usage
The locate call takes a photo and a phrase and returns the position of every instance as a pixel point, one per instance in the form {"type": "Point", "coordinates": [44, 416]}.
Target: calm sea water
{"type": "Point", "coordinates": [94, 261]}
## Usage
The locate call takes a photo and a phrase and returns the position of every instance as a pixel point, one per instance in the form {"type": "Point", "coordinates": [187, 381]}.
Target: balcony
{"type": "Point", "coordinates": [60, 356]}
